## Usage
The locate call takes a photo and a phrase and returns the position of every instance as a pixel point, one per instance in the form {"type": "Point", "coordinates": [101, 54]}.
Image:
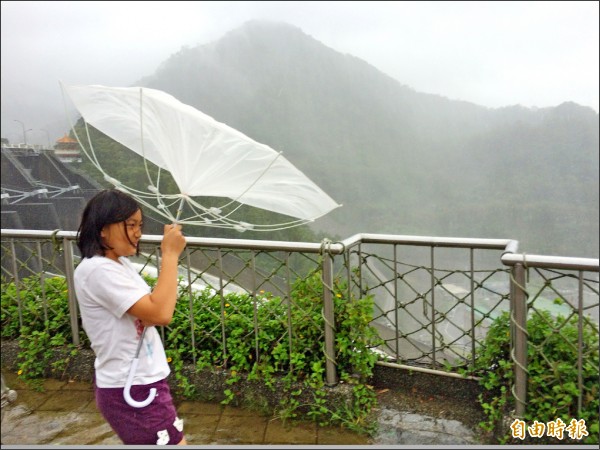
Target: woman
{"type": "Point", "coordinates": [116, 305]}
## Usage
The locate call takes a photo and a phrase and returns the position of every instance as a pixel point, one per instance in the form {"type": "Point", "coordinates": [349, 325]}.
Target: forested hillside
{"type": "Point", "coordinates": [400, 161]}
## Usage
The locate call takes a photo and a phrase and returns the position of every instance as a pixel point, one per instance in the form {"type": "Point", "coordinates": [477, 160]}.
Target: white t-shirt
{"type": "Point", "coordinates": [105, 291]}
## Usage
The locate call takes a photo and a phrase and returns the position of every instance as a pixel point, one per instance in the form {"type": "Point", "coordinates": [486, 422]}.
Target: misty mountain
{"type": "Point", "coordinates": [400, 161]}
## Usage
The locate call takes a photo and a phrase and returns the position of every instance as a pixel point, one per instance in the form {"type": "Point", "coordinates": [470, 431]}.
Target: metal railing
{"type": "Point", "coordinates": [568, 287]}
{"type": "Point", "coordinates": [435, 298]}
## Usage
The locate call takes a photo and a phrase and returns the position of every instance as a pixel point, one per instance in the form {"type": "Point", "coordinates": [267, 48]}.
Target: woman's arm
{"type": "Point", "coordinates": [157, 307]}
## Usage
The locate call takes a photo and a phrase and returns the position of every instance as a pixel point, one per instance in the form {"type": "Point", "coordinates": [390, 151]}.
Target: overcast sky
{"type": "Point", "coordinates": [494, 54]}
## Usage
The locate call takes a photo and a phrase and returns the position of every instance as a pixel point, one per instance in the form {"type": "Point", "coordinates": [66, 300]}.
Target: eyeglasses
{"type": "Point", "coordinates": [134, 226]}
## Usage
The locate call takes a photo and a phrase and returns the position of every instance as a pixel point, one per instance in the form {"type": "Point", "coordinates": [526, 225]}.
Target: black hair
{"type": "Point", "coordinates": [106, 207]}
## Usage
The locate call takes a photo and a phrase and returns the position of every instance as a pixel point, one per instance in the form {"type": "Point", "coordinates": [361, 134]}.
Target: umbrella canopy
{"type": "Point", "coordinates": [205, 157]}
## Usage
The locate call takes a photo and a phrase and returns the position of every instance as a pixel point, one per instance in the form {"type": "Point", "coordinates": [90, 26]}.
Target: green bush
{"type": "Point", "coordinates": [247, 335]}
{"type": "Point", "coordinates": [552, 380]}
{"type": "Point", "coordinates": [46, 325]}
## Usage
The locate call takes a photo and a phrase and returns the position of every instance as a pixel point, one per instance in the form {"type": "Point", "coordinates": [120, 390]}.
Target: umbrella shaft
{"type": "Point", "coordinates": [179, 209]}
{"type": "Point", "coordinates": [139, 347]}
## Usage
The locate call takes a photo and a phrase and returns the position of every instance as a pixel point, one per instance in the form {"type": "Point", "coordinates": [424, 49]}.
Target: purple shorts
{"type": "Point", "coordinates": [155, 424]}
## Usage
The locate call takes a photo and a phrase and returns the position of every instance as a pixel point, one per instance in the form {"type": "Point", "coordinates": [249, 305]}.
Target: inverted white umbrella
{"type": "Point", "coordinates": [206, 158]}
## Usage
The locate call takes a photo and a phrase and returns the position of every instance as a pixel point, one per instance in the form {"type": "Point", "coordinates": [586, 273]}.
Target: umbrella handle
{"type": "Point", "coordinates": [126, 392]}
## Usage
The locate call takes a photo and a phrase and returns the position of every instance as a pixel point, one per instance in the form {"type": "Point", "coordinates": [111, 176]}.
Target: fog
{"type": "Point", "coordinates": [494, 54]}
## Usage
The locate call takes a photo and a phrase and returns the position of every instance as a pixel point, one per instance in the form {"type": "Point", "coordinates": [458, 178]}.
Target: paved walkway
{"type": "Point", "coordinates": [65, 414]}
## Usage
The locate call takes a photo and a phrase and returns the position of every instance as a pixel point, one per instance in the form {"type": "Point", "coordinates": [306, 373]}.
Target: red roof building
{"type": "Point", "coordinates": [67, 150]}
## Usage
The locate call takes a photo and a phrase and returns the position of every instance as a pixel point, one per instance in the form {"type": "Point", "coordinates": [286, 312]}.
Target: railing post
{"type": "Point", "coordinates": [69, 274]}
{"type": "Point", "coordinates": [518, 329]}
{"type": "Point", "coordinates": [433, 283]}
{"type": "Point", "coordinates": [329, 318]}
{"type": "Point", "coordinates": [191, 303]}
{"type": "Point", "coordinates": [580, 343]}
{"type": "Point", "coordinates": [222, 302]}
{"type": "Point", "coordinates": [13, 251]}
{"type": "Point", "coordinates": [396, 302]}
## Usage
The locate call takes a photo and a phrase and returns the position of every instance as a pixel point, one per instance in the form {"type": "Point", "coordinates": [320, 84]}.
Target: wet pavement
{"type": "Point", "coordinates": [65, 413]}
